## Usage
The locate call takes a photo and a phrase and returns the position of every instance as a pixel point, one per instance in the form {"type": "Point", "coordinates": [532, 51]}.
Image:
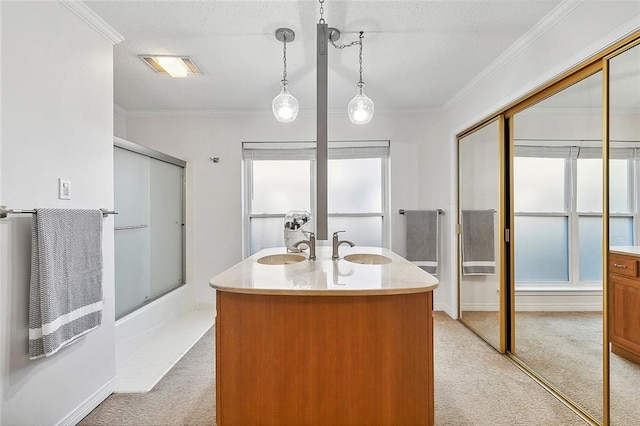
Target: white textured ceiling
{"type": "Point", "coordinates": [417, 54]}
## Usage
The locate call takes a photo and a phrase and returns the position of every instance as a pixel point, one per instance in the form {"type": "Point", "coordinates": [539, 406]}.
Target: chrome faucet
{"type": "Point", "coordinates": [311, 243]}
{"type": "Point", "coordinates": [336, 245]}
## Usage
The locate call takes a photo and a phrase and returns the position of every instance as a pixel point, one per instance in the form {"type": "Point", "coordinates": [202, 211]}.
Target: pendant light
{"type": "Point", "coordinates": [360, 108]}
{"type": "Point", "coordinates": [285, 105]}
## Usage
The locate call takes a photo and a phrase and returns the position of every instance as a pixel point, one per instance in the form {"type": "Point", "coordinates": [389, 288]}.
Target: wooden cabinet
{"type": "Point", "coordinates": [624, 306]}
{"type": "Point", "coordinates": [324, 360]}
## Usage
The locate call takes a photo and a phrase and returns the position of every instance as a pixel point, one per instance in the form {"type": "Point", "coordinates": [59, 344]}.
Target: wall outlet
{"type": "Point", "coordinates": [64, 189]}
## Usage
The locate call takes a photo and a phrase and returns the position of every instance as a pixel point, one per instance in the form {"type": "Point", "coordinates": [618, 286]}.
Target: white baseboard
{"type": "Point", "coordinates": [545, 300]}
{"type": "Point", "coordinates": [74, 417]}
{"type": "Point", "coordinates": [559, 307]}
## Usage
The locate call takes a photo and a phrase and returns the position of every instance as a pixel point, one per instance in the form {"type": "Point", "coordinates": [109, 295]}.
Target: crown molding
{"type": "Point", "coordinates": [96, 22]}
{"type": "Point", "coordinates": [263, 112]}
{"type": "Point", "coordinates": [216, 113]}
{"type": "Point", "coordinates": [399, 112]}
{"type": "Point", "coordinates": [552, 18]}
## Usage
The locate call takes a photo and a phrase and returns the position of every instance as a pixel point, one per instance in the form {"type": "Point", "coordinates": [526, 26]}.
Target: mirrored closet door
{"type": "Point", "coordinates": [480, 193]}
{"type": "Point", "coordinates": [557, 205]}
{"type": "Point", "coordinates": [624, 243]}
{"type": "Point", "coordinates": [562, 168]}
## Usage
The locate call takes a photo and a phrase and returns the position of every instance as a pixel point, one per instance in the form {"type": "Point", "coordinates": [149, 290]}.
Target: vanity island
{"type": "Point", "coordinates": [325, 342]}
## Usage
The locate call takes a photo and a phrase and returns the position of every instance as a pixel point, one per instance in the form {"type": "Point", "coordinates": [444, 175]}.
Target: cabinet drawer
{"type": "Point", "coordinates": [623, 265]}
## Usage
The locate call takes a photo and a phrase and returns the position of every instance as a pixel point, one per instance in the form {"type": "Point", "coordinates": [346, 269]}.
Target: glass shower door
{"type": "Point", "coordinates": [149, 242]}
{"type": "Point", "coordinates": [132, 233]}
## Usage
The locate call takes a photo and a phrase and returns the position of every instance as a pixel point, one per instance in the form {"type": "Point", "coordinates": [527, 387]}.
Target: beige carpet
{"type": "Point", "coordinates": [474, 385]}
{"type": "Point", "coordinates": [566, 349]}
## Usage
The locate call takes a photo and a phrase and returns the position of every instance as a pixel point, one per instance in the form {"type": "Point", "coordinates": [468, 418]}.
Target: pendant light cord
{"type": "Point", "coordinates": [321, 21]}
{"type": "Point", "coordinates": [353, 43]}
{"type": "Point", "coordinates": [342, 46]}
{"type": "Point", "coordinates": [360, 57]}
{"type": "Point", "coordinates": [284, 60]}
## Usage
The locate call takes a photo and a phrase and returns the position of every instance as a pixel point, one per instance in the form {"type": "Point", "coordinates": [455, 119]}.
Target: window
{"type": "Point", "coordinates": [280, 177]}
{"type": "Point", "coordinates": [558, 213]}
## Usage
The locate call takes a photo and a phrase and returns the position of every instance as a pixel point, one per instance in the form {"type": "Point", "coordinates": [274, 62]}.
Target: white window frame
{"type": "Point", "coordinates": [279, 150]}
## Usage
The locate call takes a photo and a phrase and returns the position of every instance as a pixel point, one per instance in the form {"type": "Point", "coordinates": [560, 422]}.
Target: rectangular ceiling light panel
{"type": "Point", "coordinates": [175, 66]}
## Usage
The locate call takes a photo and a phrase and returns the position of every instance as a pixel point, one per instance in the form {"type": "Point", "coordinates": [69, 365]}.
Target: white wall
{"type": "Point", "coordinates": [57, 121]}
{"type": "Point", "coordinates": [119, 122]}
{"type": "Point", "coordinates": [419, 166]}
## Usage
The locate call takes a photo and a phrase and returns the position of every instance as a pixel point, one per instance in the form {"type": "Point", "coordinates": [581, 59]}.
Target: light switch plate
{"type": "Point", "coordinates": [64, 189]}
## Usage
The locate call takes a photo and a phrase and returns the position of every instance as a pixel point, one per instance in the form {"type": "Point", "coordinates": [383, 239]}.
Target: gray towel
{"type": "Point", "coordinates": [422, 239]}
{"type": "Point", "coordinates": [65, 300]}
{"type": "Point", "coordinates": [478, 249]}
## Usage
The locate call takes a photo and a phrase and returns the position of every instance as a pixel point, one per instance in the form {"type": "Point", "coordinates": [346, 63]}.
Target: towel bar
{"type": "Point", "coordinates": [402, 211]}
{"type": "Point", "coordinates": [125, 228]}
{"type": "Point", "coordinates": [4, 211]}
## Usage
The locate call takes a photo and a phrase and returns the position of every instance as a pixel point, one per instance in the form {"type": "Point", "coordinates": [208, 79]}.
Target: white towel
{"type": "Point", "coordinates": [65, 300]}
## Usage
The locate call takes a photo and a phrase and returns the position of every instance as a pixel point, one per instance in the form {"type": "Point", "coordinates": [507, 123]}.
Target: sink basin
{"type": "Point", "coordinates": [367, 259]}
{"type": "Point", "coordinates": [281, 259]}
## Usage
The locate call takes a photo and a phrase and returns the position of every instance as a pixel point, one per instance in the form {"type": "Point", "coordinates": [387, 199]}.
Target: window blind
{"type": "Point", "coordinates": [306, 150]}
{"type": "Point", "coordinates": [574, 152]}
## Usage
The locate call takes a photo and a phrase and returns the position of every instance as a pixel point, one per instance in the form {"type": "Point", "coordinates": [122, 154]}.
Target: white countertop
{"type": "Point", "coordinates": [632, 250]}
{"type": "Point", "coordinates": [325, 276]}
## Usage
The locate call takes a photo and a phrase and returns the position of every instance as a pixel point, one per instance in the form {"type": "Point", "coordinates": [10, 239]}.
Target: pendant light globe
{"type": "Point", "coordinates": [285, 105]}
{"type": "Point", "coordinates": [360, 108]}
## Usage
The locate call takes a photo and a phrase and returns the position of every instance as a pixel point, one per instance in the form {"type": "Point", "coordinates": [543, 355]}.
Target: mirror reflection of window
{"type": "Point", "coordinates": [539, 191]}
{"type": "Point", "coordinates": [589, 211]}
{"type": "Point", "coordinates": [557, 195]}
{"type": "Point", "coordinates": [541, 222]}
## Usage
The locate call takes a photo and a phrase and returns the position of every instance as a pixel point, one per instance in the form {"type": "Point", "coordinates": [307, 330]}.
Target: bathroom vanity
{"type": "Point", "coordinates": [624, 302]}
{"type": "Point", "coordinates": [342, 342]}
